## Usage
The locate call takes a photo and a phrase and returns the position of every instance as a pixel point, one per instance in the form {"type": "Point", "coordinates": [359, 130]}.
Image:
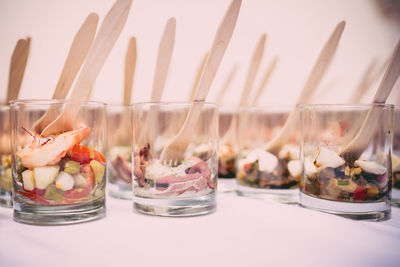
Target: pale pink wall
{"type": "Point", "coordinates": [296, 31]}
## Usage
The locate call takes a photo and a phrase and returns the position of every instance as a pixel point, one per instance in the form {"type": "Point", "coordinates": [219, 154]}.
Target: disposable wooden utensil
{"type": "Point", "coordinates": [264, 81]}
{"type": "Point", "coordinates": [77, 53]}
{"type": "Point", "coordinates": [123, 132]}
{"type": "Point", "coordinates": [197, 78]}
{"type": "Point", "coordinates": [130, 65]}
{"type": "Point", "coordinates": [18, 62]}
{"type": "Point", "coordinates": [316, 74]}
{"type": "Point", "coordinates": [359, 143]}
{"type": "Point", "coordinates": [253, 69]}
{"type": "Point", "coordinates": [105, 40]}
{"type": "Point", "coordinates": [229, 136]}
{"type": "Point", "coordinates": [370, 75]}
{"type": "Point", "coordinates": [175, 149]}
{"type": "Point", "coordinates": [226, 85]}
{"type": "Point", "coordinates": [165, 50]}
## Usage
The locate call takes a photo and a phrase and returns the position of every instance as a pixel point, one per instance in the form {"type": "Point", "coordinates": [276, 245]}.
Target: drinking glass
{"type": "Point", "coordinates": [227, 149]}
{"type": "Point", "coordinates": [182, 186]}
{"type": "Point", "coordinates": [119, 151]}
{"type": "Point", "coordinates": [396, 157]}
{"type": "Point", "coordinates": [271, 175]}
{"type": "Point", "coordinates": [5, 158]}
{"type": "Point", "coordinates": [352, 183]}
{"type": "Point", "coordinates": [58, 179]}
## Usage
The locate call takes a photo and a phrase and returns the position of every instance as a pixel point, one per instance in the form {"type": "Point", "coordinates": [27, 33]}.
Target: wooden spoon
{"type": "Point", "coordinates": [226, 85]}
{"type": "Point", "coordinates": [77, 53]}
{"type": "Point", "coordinates": [360, 142]}
{"type": "Point", "coordinates": [197, 78]}
{"type": "Point", "coordinates": [129, 72]}
{"type": "Point", "coordinates": [176, 148]}
{"type": "Point", "coordinates": [316, 74]}
{"type": "Point", "coordinates": [229, 136]}
{"type": "Point", "coordinates": [165, 50]}
{"type": "Point", "coordinates": [18, 62]}
{"type": "Point", "coordinates": [105, 40]}
{"type": "Point", "coordinates": [130, 65]}
{"type": "Point", "coordinates": [253, 69]}
{"type": "Point", "coordinates": [265, 80]}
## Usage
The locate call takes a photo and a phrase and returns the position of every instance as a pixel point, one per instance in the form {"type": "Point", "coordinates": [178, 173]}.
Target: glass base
{"type": "Point", "coordinates": [371, 211]}
{"type": "Point", "coordinates": [395, 197]}
{"type": "Point", "coordinates": [176, 207]}
{"type": "Point", "coordinates": [226, 185]}
{"type": "Point", "coordinates": [59, 215]}
{"type": "Point", "coordinates": [6, 199]}
{"type": "Point", "coordinates": [121, 191]}
{"type": "Point", "coordinates": [287, 196]}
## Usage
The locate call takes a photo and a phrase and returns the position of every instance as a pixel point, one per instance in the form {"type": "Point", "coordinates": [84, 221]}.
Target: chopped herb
{"type": "Point", "coordinates": [343, 182]}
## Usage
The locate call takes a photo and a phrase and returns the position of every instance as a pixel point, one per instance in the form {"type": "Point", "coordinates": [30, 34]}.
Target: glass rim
{"type": "Point", "coordinates": [275, 108]}
{"type": "Point", "coordinates": [361, 105]}
{"type": "Point", "coordinates": [165, 103]}
{"type": "Point", "coordinates": [54, 101]}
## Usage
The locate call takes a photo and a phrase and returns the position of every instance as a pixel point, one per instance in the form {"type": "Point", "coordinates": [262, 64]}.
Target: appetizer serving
{"type": "Point", "coordinates": [58, 170]}
{"type": "Point", "coordinates": [188, 178]}
{"type": "Point", "coordinates": [329, 176]}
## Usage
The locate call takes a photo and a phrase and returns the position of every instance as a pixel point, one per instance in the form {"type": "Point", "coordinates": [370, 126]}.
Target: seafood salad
{"type": "Point", "coordinates": [226, 161]}
{"type": "Point", "coordinates": [58, 170]}
{"type": "Point", "coordinates": [189, 177]}
{"type": "Point", "coordinates": [329, 176]}
{"type": "Point", "coordinates": [262, 169]}
{"type": "Point", "coordinates": [121, 164]}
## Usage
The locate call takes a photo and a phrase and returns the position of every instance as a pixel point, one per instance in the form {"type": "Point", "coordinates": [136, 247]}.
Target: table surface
{"type": "Point", "coordinates": [242, 232]}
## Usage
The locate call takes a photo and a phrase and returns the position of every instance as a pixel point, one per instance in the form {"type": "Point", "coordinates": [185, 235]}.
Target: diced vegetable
{"type": "Point", "coordinates": [6, 180]}
{"type": "Point", "coordinates": [98, 170]}
{"type": "Point", "coordinates": [64, 181]}
{"type": "Point", "coordinates": [28, 180]}
{"type": "Point", "coordinates": [53, 193]}
{"type": "Point", "coordinates": [44, 176]}
{"type": "Point", "coordinates": [80, 180]}
{"type": "Point", "coordinates": [72, 167]}
{"type": "Point", "coordinates": [76, 193]}
{"type": "Point", "coordinates": [343, 182]}
{"type": "Point", "coordinates": [82, 155]}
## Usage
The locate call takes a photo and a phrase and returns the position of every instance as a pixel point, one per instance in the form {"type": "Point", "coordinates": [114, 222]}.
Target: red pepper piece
{"type": "Point", "coordinates": [359, 193]}
{"type": "Point", "coordinates": [37, 195]}
{"type": "Point", "coordinates": [82, 155]}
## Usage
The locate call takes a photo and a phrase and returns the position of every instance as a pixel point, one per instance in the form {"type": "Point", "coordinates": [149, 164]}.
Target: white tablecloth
{"type": "Point", "coordinates": [242, 232]}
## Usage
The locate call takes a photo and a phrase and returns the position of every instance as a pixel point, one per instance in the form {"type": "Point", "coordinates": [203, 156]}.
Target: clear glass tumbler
{"type": "Point", "coordinates": [58, 179]}
{"type": "Point", "coordinates": [350, 180]}
{"type": "Point", "coordinates": [271, 175]}
{"type": "Point", "coordinates": [396, 157]}
{"type": "Point", "coordinates": [119, 151]}
{"type": "Point", "coordinates": [227, 149]}
{"type": "Point", "coordinates": [183, 184]}
{"type": "Point", "coordinates": [5, 158]}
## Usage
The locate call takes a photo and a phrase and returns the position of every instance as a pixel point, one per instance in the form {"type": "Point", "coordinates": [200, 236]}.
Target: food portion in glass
{"type": "Point", "coordinates": [262, 169]}
{"type": "Point", "coordinates": [5, 158]}
{"type": "Point", "coordinates": [174, 187]}
{"type": "Point", "coordinates": [189, 177]}
{"type": "Point", "coordinates": [258, 168]}
{"type": "Point", "coordinates": [227, 141]}
{"type": "Point", "coordinates": [57, 169]}
{"type": "Point", "coordinates": [329, 176]}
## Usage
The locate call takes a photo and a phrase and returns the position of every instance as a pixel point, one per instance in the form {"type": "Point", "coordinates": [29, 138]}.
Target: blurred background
{"type": "Point", "coordinates": [296, 31]}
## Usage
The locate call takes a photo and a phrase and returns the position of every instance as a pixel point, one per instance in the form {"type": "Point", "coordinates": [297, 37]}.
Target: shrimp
{"type": "Point", "coordinates": [50, 150]}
